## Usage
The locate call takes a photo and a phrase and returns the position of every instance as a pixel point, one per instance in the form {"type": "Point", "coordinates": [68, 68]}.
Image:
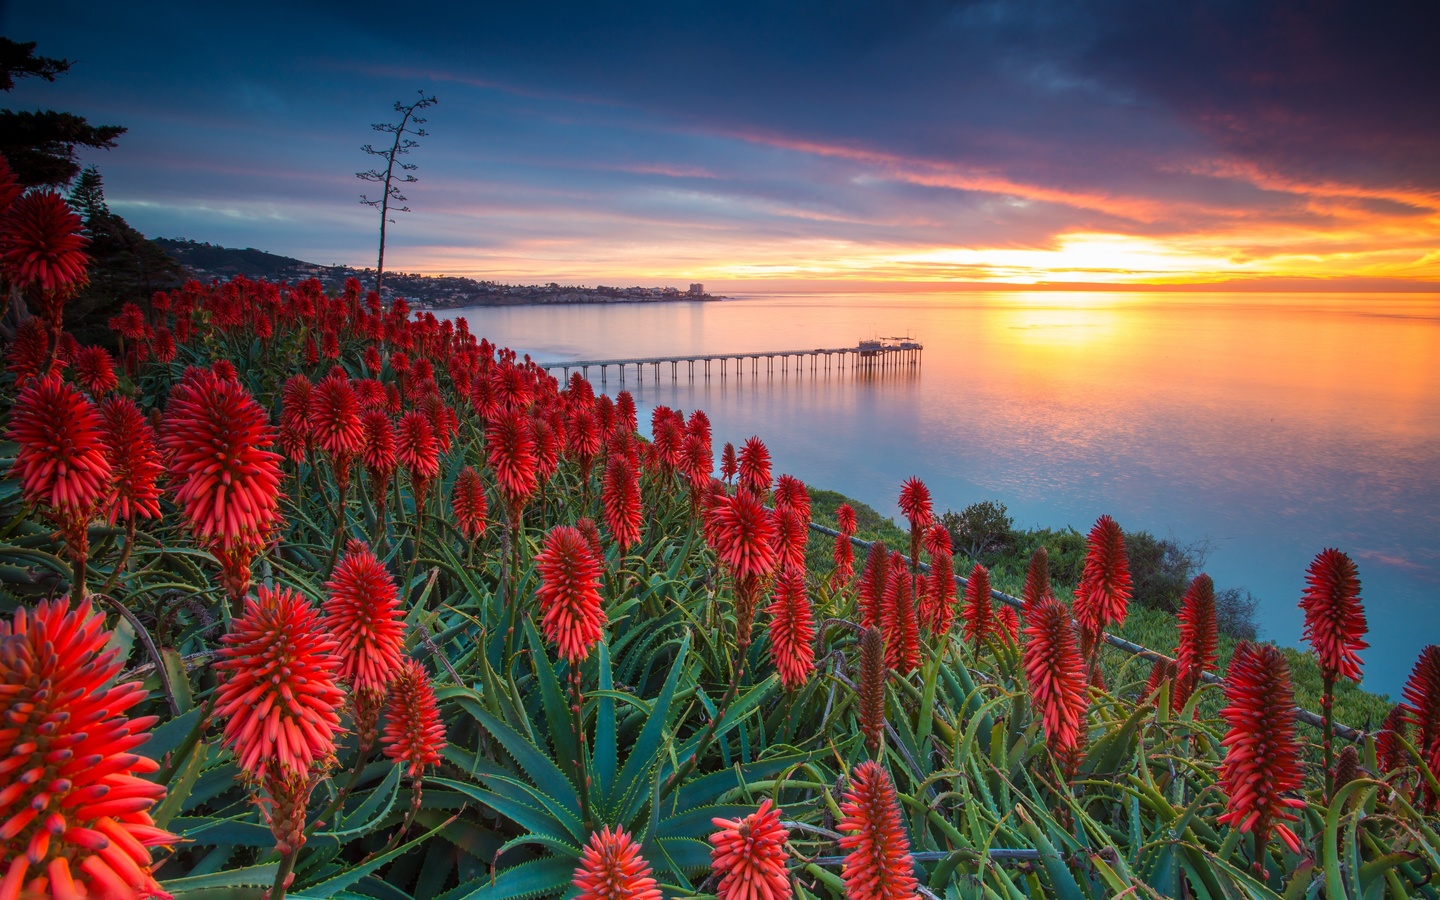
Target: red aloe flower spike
{"type": "Point", "coordinates": [370, 393]}
{"type": "Point", "coordinates": [897, 620]}
{"type": "Point", "coordinates": [699, 425]}
{"type": "Point", "coordinates": [278, 690]}
{"type": "Point", "coordinates": [1199, 646]}
{"type": "Point", "coordinates": [381, 450]}
{"type": "Point", "coordinates": [419, 452]}
{"type": "Point", "coordinates": [511, 448]}
{"type": "Point", "coordinates": [1262, 759]}
{"type": "Point", "coordinates": [749, 856]}
{"type": "Point", "coordinates": [878, 866]}
{"type": "Point", "coordinates": [744, 535]}
{"type": "Point", "coordinates": [583, 440]}
{"type": "Point", "coordinates": [296, 429]}
{"type": "Point", "coordinates": [587, 527]}
{"type": "Point", "coordinates": [754, 466]}
{"type": "Point", "coordinates": [547, 449]}
{"type": "Point", "coordinates": [871, 689]}
{"type": "Point", "coordinates": [1056, 673]}
{"type": "Point", "coordinates": [1334, 618]}
{"type": "Point", "coordinates": [134, 457]}
{"type": "Point", "coordinates": [791, 536]}
{"type": "Point", "coordinates": [937, 541]}
{"type": "Point", "coordinates": [1037, 581]}
{"type": "Point", "coordinates": [698, 464]}
{"type": "Point", "coordinates": [980, 621]}
{"type": "Point", "coordinates": [790, 492]}
{"type": "Point", "coordinates": [844, 557]}
{"type": "Point", "coordinates": [164, 348]}
{"type": "Point", "coordinates": [42, 245]}
{"type": "Point", "coordinates": [742, 532]}
{"type": "Point", "coordinates": [414, 734]}
{"type": "Point", "coordinates": [611, 868]}
{"type": "Point", "coordinates": [363, 615]}
{"type": "Point", "coordinates": [1161, 671]}
{"type": "Point", "coordinates": [792, 631]}
{"type": "Point", "coordinates": [335, 424]}
{"type": "Point", "coordinates": [872, 584]}
{"type": "Point", "coordinates": [1009, 621]}
{"type": "Point", "coordinates": [845, 519]}
{"type": "Point", "coordinates": [10, 186]}
{"type": "Point", "coordinates": [1335, 627]}
{"type": "Point", "coordinates": [228, 482]}
{"type": "Point", "coordinates": [1389, 754]}
{"type": "Point", "coordinates": [62, 462]}
{"type": "Point", "coordinates": [95, 372]}
{"type": "Point", "coordinates": [915, 503]}
{"type": "Point", "coordinates": [1347, 766]}
{"type": "Point", "coordinates": [1103, 594]}
{"type": "Point", "coordinates": [569, 593]}
{"type": "Point", "coordinates": [936, 604]}
{"type": "Point", "coordinates": [728, 465]}
{"type": "Point", "coordinates": [620, 497]}
{"type": "Point", "coordinates": [625, 411]}
{"type": "Point", "coordinates": [1422, 709]}
{"type": "Point", "coordinates": [512, 389]}
{"type": "Point", "coordinates": [668, 434]}
{"type": "Point", "coordinates": [469, 504]}
{"type": "Point", "coordinates": [29, 352]}
{"type": "Point", "coordinates": [76, 801]}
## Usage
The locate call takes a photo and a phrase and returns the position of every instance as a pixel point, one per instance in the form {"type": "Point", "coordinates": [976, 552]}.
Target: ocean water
{"type": "Point", "coordinates": [1269, 425]}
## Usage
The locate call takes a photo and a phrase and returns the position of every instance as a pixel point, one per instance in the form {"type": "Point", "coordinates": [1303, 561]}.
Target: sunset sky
{"type": "Point", "coordinates": [782, 144]}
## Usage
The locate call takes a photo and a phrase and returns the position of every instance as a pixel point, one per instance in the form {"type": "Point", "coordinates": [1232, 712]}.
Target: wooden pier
{"type": "Point", "coordinates": [868, 356]}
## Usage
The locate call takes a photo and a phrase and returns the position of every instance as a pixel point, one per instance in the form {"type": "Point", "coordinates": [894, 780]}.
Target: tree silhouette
{"type": "Point", "coordinates": [124, 266]}
{"type": "Point", "coordinates": [406, 133]}
{"type": "Point", "coordinates": [40, 145]}
{"type": "Point", "coordinates": [88, 195]}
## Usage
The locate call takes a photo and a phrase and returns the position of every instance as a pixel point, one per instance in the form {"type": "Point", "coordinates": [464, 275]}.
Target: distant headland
{"type": "Point", "coordinates": [206, 261]}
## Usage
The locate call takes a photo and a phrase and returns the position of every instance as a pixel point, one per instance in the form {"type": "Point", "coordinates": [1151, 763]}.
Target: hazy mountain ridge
{"type": "Point", "coordinates": [206, 261]}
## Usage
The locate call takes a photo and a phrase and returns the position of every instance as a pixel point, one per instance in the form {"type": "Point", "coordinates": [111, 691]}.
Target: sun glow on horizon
{"type": "Point", "coordinates": [1076, 258]}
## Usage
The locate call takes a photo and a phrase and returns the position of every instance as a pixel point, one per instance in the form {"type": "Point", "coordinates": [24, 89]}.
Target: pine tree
{"type": "Point", "coordinates": [40, 145]}
{"type": "Point", "coordinates": [88, 196]}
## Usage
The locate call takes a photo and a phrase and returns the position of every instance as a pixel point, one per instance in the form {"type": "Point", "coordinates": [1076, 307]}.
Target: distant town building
{"type": "Point", "coordinates": [697, 289]}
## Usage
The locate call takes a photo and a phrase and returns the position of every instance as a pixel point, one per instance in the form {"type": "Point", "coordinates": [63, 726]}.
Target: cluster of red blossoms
{"type": "Point", "coordinates": [226, 480]}
{"type": "Point", "coordinates": [42, 247]}
{"type": "Point", "coordinates": [878, 866]}
{"type": "Point", "coordinates": [281, 669]}
{"type": "Point", "coordinates": [611, 868]}
{"type": "Point", "coordinates": [569, 593]}
{"type": "Point", "coordinates": [749, 856]}
{"type": "Point", "coordinates": [1262, 759]}
{"type": "Point", "coordinates": [75, 806]}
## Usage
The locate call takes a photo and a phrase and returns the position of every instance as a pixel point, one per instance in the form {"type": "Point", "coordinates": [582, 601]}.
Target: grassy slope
{"type": "Point", "coordinates": [1148, 627]}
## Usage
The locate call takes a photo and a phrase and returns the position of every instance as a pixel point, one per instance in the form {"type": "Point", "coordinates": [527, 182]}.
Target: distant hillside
{"type": "Point", "coordinates": [208, 261]}
{"type": "Point", "coordinates": [227, 262]}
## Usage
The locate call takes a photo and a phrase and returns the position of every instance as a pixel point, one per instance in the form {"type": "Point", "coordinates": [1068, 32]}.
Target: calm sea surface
{"type": "Point", "coordinates": [1272, 426]}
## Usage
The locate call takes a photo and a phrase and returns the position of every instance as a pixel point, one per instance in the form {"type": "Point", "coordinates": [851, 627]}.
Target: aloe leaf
{"type": "Point", "coordinates": [629, 792]}
{"type": "Point", "coordinates": [537, 766]}
{"type": "Point", "coordinates": [605, 758]}
{"type": "Point", "coordinates": [535, 878]}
